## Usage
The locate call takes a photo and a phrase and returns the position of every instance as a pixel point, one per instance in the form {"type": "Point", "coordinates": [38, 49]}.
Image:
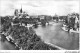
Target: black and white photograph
{"type": "Point", "coordinates": [39, 25]}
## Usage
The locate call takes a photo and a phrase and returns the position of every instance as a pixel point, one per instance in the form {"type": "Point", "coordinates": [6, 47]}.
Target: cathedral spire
{"type": "Point", "coordinates": [21, 9]}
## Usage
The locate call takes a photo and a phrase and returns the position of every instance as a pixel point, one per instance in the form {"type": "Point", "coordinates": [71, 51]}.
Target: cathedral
{"type": "Point", "coordinates": [20, 13]}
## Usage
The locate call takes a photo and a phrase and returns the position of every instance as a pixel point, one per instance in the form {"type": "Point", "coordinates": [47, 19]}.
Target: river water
{"type": "Point", "coordinates": [54, 34]}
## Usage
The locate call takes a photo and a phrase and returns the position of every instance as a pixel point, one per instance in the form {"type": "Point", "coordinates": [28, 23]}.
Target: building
{"type": "Point", "coordinates": [20, 13]}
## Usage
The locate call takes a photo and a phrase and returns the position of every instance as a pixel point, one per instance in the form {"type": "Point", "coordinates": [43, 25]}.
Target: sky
{"type": "Point", "coordinates": [39, 7]}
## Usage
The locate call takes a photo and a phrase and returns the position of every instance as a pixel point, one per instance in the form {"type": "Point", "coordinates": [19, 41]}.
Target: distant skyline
{"type": "Point", "coordinates": [39, 7]}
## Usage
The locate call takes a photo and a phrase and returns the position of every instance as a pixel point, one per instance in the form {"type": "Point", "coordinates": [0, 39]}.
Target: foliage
{"type": "Point", "coordinates": [24, 38]}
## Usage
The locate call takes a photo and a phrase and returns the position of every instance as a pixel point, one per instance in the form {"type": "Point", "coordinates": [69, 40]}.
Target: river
{"type": "Point", "coordinates": [54, 34]}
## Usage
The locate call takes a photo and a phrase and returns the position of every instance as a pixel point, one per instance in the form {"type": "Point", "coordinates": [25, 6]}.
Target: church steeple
{"type": "Point", "coordinates": [21, 9]}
